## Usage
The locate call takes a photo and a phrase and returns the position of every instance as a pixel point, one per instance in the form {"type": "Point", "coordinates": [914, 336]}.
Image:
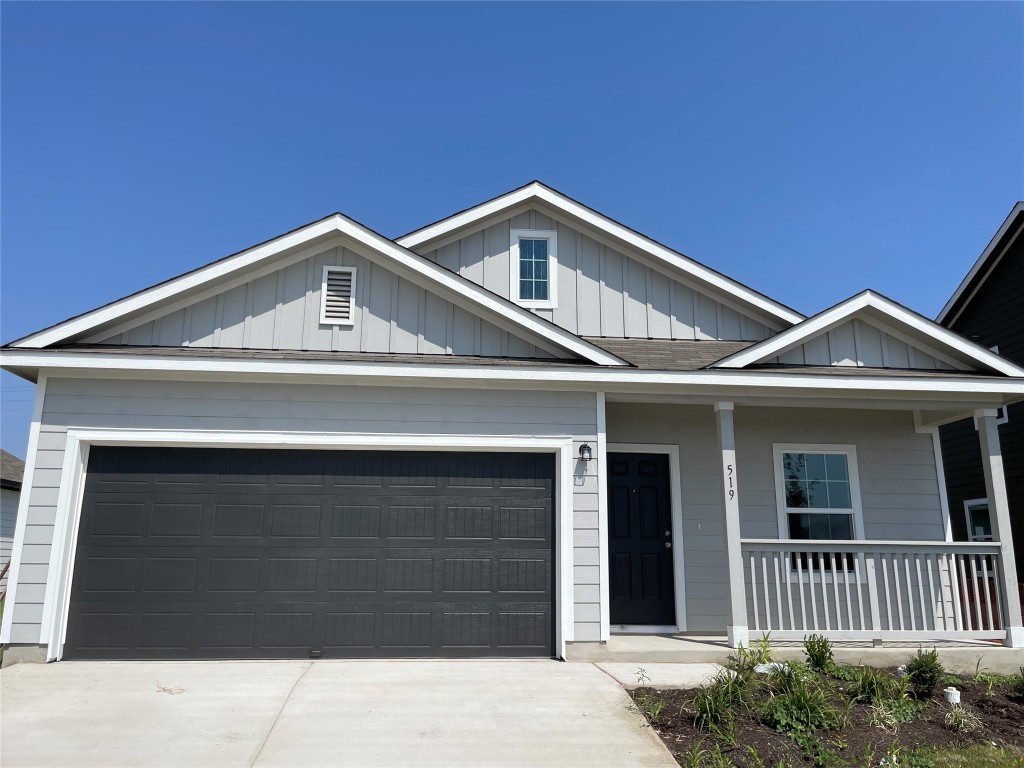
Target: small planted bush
{"type": "Point", "coordinates": [924, 673]}
{"type": "Point", "coordinates": [714, 703]}
{"type": "Point", "coordinates": [872, 686]}
{"type": "Point", "coordinates": [960, 719]}
{"type": "Point", "coordinates": [1017, 684]}
{"type": "Point", "coordinates": [818, 651]}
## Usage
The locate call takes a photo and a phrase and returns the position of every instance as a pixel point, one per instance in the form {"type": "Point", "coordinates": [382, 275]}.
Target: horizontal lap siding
{"type": "Point", "coordinates": [601, 291]}
{"type": "Point", "coordinates": [898, 481]}
{"type": "Point", "coordinates": [86, 403]}
{"type": "Point", "coordinates": [8, 517]}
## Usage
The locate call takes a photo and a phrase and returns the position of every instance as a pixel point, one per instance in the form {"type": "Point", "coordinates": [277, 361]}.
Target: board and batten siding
{"type": "Point", "coordinates": [320, 409]}
{"type": "Point", "coordinates": [281, 310]}
{"type": "Point", "coordinates": [8, 519]}
{"type": "Point", "coordinates": [898, 481]}
{"type": "Point", "coordinates": [601, 291]}
{"type": "Point", "coordinates": [860, 344]}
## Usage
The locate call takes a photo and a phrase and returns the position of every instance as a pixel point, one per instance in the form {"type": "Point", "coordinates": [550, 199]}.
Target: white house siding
{"type": "Point", "coordinates": [281, 310]}
{"type": "Point", "coordinates": [898, 481]}
{"type": "Point", "coordinates": [8, 517]}
{"type": "Point", "coordinates": [136, 404]}
{"type": "Point", "coordinates": [860, 344]}
{"type": "Point", "coordinates": [601, 291]}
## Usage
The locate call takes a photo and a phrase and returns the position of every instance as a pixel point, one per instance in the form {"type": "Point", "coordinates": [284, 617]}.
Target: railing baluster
{"type": "Point", "coordinates": [778, 589]}
{"type": "Point", "coordinates": [977, 598]}
{"type": "Point", "coordinates": [835, 590]}
{"type": "Point", "coordinates": [764, 583]}
{"type": "Point", "coordinates": [899, 592]}
{"type": "Point", "coordinates": [910, 593]}
{"type": "Point", "coordinates": [998, 592]}
{"type": "Point", "coordinates": [800, 588]}
{"type": "Point", "coordinates": [860, 592]}
{"type": "Point", "coordinates": [988, 594]}
{"type": "Point", "coordinates": [849, 605]}
{"type": "Point", "coordinates": [953, 574]}
{"type": "Point", "coordinates": [788, 573]}
{"type": "Point", "coordinates": [812, 568]}
{"type": "Point", "coordinates": [888, 594]}
{"type": "Point", "coordinates": [753, 593]}
{"type": "Point", "coordinates": [931, 591]}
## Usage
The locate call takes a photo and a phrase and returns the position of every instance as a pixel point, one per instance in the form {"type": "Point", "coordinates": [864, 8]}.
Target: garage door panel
{"type": "Point", "coordinates": [283, 554]}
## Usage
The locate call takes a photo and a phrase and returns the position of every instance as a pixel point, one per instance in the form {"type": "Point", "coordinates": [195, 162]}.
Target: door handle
{"type": "Point", "coordinates": [668, 545]}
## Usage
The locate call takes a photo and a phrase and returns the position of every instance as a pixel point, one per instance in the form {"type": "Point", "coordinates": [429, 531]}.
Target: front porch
{"type": "Point", "coordinates": [739, 552]}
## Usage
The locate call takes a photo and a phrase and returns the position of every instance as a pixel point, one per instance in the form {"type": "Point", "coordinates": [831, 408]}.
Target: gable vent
{"type": "Point", "coordinates": [337, 292]}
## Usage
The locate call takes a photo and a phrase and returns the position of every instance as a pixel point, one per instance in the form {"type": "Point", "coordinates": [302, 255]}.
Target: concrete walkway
{"type": "Point", "coordinates": [322, 713]}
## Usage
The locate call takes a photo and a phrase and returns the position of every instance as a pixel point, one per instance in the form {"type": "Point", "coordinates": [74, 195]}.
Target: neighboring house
{"type": "Point", "coordinates": [988, 308]}
{"type": "Point", "coordinates": [519, 428]}
{"type": "Point", "coordinates": [11, 470]}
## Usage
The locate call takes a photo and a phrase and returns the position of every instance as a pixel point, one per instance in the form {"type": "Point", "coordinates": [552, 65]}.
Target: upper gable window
{"type": "Point", "coordinates": [534, 256]}
{"type": "Point", "coordinates": [337, 292]}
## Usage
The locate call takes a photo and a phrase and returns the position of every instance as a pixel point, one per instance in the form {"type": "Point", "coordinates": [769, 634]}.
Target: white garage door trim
{"type": "Point", "coordinates": [57, 601]}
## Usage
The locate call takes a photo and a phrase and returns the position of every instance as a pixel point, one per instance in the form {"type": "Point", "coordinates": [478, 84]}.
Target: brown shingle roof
{"type": "Point", "coordinates": [669, 354]}
{"type": "Point", "coordinates": [11, 471]}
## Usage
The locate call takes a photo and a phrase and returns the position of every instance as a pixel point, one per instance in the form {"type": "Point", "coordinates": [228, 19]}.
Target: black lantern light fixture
{"type": "Point", "coordinates": [586, 454]}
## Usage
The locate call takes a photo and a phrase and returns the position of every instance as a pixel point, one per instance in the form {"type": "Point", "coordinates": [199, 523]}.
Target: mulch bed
{"type": "Point", "coordinates": [1001, 714]}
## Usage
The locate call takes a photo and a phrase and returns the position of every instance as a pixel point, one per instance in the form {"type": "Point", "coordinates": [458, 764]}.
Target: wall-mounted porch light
{"type": "Point", "coordinates": [586, 454]}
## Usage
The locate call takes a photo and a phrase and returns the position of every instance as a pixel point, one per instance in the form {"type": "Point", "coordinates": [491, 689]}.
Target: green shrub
{"type": "Point", "coordinates": [924, 673]}
{"type": "Point", "coordinates": [871, 686]}
{"type": "Point", "coordinates": [748, 657]}
{"type": "Point", "coordinates": [714, 703]}
{"type": "Point", "coordinates": [818, 651]}
{"type": "Point", "coordinates": [960, 719]}
{"type": "Point", "coordinates": [1017, 684]}
{"type": "Point", "coordinates": [800, 713]}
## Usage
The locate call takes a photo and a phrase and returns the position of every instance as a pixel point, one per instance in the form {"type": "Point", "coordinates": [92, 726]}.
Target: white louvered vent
{"type": "Point", "coordinates": [337, 292]}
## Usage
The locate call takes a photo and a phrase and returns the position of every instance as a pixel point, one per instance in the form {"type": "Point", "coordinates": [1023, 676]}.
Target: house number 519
{"type": "Point", "coordinates": [732, 487]}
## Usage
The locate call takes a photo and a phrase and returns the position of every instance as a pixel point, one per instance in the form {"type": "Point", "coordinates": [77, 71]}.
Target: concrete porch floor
{"type": "Point", "coordinates": [962, 657]}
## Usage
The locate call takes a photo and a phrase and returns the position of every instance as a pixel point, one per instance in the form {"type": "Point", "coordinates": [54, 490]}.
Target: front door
{"type": "Point", "coordinates": [640, 540]}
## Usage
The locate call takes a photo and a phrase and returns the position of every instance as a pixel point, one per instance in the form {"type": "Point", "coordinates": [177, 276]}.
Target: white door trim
{"type": "Point", "coordinates": [676, 496]}
{"type": "Point", "coordinates": [53, 629]}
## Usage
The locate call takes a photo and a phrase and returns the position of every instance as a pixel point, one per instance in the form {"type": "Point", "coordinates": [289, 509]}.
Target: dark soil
{"type": "Point", "coordinates": [1001, 715]}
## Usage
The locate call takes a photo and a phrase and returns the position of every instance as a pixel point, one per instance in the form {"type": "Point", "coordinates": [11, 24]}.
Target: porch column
{"type": "Point", "coordinates": [737, 627]}
{"type": "Point", "coordinates": [999, 514]}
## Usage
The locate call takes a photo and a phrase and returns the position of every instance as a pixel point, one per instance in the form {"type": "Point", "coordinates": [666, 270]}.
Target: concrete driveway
{"type": "Point", "coordinates": [322, 713]}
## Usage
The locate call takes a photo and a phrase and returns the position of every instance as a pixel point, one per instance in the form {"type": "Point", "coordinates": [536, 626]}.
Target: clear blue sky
{"type": "Point", "coordinates": [809, 150]}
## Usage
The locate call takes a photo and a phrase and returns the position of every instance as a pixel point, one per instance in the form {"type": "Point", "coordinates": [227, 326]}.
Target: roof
{"type": "Point", "coordinates": [669, 355]}
{"type": "Point", "coordinates": [1008, 231]}
{"type": "Point", "coordinates": [12, 469]}
{"type": "Point", "coordinates": [448, 284]}
{"type": "Point", "coordinates": [888, 315]}
{"type": "Point", "coordinates": [777, 315]}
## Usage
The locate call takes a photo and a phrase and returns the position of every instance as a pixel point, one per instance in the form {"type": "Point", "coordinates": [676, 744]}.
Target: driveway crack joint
{"type": "Point", "coordinates": [273, 724]}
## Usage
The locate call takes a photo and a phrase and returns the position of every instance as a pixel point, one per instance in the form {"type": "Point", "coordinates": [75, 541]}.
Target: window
{"type": "Point", "coordinates": [534, 266]}
{"type": "Point", "coordinates": [337, 292]}
{"type": "Point", "coordinates": [979, 524]}
{"type": "Point", "coordinates": [818, 496]}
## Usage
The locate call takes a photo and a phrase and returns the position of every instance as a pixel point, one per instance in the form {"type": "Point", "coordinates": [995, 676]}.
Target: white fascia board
{"type": "Point", "coordinates": [536, 191]}
{"type": "Point", "coordinates": [449, 283]}
{"type": "Point", "coordinates": [980, 264]}
{"type": "Point", "coordinates": [953, 343]}
{"type": "Point", "coordinates": [70, 364]}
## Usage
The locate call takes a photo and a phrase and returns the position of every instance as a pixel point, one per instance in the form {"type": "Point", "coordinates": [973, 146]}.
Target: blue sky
{"type": "Point", "coordinates": [809, 150]}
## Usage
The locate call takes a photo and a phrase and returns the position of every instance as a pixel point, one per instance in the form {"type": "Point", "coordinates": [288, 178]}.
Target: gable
{"type": "Point", "coordinates": [871, 331]}
{"type": "Point", "coordinates": [601, 291]}
{"type": "Point", "coordinates": [863, 345]}
{"type": "Point", "coordinates": [281, 310]}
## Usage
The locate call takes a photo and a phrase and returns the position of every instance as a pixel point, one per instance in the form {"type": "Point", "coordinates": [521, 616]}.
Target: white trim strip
{"type": "Point", "coordinates": [406, 263]}
{"type": "Point", "coordinates": [960, 347]}
{"type": "Point", "coordinates": [53, 628]}
{"type": "Point", "coordinates": [604, 590]}
{"type": "Point", "coordinates": [538, 191]}
{"type": "Point", "coordinates": [895, 386]}
{"type": "Point", "coordinates": [24, 501]}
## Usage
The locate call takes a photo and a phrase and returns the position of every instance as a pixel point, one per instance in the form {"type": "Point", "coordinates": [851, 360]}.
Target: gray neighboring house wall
{"type": "Point", "coordinates": [11, 471]}
{"type": "Point", "coordinates": [646, 353]}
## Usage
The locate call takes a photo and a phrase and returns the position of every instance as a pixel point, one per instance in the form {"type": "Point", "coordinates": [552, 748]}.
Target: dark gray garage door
{"type": "Point", "coordinates": [218, 553]}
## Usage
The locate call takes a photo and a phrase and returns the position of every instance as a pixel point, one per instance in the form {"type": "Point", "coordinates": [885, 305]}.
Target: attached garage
{"type": "Point", "coordinates": [259, 553]}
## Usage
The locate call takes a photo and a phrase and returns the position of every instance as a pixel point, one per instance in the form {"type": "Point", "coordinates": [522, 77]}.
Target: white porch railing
{"type": "Point", "coordinates": [895, 590]}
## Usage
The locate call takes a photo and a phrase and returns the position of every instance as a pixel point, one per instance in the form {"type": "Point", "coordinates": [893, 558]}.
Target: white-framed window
{"type": "Point", "coordinates": [534, 268]}
{"type": "Point", "coordinates": [337, 296]}
{"type": "Point", "coordinates": [979, 524]}
{"type": "Point", "coordinates": [818, 495]}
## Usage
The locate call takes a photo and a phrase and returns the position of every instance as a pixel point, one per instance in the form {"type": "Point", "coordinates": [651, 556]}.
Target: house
{"type": "Point", "coordinates": [987, 308]}
{"type": "Point", "coordinates": [11, 470]}
{"type": "Point", "coordinates": [518, 429]}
